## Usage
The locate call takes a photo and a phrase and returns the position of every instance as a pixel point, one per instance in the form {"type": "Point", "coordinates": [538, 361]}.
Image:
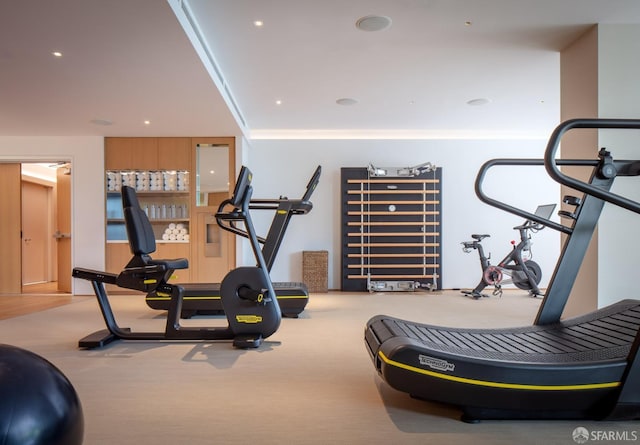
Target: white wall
{"type": "Point", "coordinates": [619, 97]}
{"type": "Point", "coordinates": [88, 207]}
{"type": "Point", "coordinates": [283, 167]}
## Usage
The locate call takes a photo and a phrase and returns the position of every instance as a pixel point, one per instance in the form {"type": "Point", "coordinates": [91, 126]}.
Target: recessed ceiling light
{"type": "Point", "coordinates": [258, 23]}
{"type": "Point", "coordinates": [147, 122]}
{"type": "Point", "coordinates": [56, 53]}
{"type": "Point", "coordinates": [468, 23]}
{"type": "Point", "coordinates": [346, 101]}
{"type": "Point", "coordinates": [477, 102]}
{"type": "Point", "coordinates": [373, 23]}
{"type": "Point", "coordinates": [103, 122]}
{"type": "Point", "coordinates": [278, 102]}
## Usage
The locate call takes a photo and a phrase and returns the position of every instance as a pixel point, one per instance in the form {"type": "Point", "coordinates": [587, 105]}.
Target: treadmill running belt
{"type": "Point", "coordinates": [581, 361]}
{"type": "Point", "coordinates": [587, 338]}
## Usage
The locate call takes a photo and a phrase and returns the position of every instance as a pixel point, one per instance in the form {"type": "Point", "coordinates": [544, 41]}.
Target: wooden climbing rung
{"type": "Point", "coordinates": [369, 234]}
{"type": "Point", "coordinates": [393, 181]}
{"type": "Point", "coordinates": [394, 223]}
{"type": "Point", "coordinates": [393, 244]}
{"type": "Point", "coordinates": [393, 266]}
{"type": "Point", "coordinates": [371, 213]}
{"type": "Point", "coordinates": [392, 255]}
{"type": "Point", "coordinates": [398, 277]}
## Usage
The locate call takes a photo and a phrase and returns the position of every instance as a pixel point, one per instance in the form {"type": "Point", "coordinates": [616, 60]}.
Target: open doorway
{"type": "Point", "coordinates": [45, 228]}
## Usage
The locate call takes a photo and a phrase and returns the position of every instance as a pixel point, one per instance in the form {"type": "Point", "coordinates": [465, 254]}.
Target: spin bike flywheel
{"type": "Point", "coordinates": [492, 275]}
{"type": "Point", "coordinates": [520, 278]}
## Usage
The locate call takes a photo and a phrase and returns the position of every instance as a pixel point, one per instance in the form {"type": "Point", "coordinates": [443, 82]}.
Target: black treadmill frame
{"type": "Point", "coordinates": [396, 352]}
{"type": "Point", "coordinates": [206, 299]}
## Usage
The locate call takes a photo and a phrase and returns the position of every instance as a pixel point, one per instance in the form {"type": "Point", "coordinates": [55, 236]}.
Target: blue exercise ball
{"type": "Point", "coordinates": [38, 404]}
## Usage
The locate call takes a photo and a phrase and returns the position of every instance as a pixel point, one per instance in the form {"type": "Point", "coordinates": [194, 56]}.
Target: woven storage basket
{"type": "Point", "coordinates": [315, 265]}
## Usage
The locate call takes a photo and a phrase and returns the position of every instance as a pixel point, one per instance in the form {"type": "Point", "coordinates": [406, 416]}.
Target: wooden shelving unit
{"type": "Point", "coordinates": [211, 254]}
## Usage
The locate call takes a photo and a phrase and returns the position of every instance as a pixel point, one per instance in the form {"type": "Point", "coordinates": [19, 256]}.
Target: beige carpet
{"type": "Point", "coordinates": [312, 382]}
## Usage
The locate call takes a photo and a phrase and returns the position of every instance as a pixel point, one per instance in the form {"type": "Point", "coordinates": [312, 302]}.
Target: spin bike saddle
{"type": "Point", "coordinates": [479, 237]}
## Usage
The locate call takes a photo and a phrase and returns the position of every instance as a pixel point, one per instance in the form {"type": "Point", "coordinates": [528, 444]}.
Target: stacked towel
{"type": "Point", "coordinates": [182, 182]}
{"type": "Point", "coordinates": [142, 181]}
{"type": "Point", "coordinates": [148, 180]}
{"type": "Point", "coordinates": [155, 181]}
{"type": "Point", "coordinates": [128, 178]}
{"type": "Point", "coordinates": [114, 181]}
{"type": "Point", "coordinates": [170, 180]}
{"type": "Point", "coordinates": [176, 232]}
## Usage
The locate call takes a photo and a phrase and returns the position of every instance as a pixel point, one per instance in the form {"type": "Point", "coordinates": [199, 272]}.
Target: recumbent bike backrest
{"type": "Point", "coordinates": [142, 240]}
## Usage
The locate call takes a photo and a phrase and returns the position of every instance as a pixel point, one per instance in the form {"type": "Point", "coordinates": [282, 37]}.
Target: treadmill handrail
{"type": "Point", "coordinates": [297, 206]}
{"type": "Point", "coordinates": [516, 211]}
{"type": "Point", "coordinates": [551, 164]}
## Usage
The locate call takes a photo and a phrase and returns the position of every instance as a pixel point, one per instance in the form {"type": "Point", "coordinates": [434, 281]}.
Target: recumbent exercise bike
{"type": "Point", "coordinates": [248, 298]}
{"type": "Point", "coordinates": [525, 274]}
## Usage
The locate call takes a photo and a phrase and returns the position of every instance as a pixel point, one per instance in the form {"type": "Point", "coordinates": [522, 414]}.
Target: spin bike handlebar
{"type": "Point", "coordinates": [529, 225]}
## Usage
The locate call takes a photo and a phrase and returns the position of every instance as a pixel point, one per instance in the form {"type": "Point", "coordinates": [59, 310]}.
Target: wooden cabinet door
{"type": "Point", "coordinates": [131, 153]}
{"type": "Point", "coordinates": [174, 154]}
{"type": "Point", "coordinates": [172, 251]}
{"type": "Point", "coordinates": [118, 255]}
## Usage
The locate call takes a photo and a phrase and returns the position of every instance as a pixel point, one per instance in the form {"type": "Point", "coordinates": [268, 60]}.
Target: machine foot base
{"type": "Point", "coordinates": [247, 341]}
{"type": "Point", "coordinates": [98, 339]}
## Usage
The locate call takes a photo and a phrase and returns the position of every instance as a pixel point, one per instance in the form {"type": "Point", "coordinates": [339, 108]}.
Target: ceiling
{"type": "Point", "coordinates": [166, 61]}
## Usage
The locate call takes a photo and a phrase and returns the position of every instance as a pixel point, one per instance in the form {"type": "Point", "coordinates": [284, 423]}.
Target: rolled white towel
{"type": "Point", "coordinates": [165, 236]}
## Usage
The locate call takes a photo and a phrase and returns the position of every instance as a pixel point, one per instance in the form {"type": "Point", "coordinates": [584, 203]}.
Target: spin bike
{"type": "Point", "coordinates": [525, 274]}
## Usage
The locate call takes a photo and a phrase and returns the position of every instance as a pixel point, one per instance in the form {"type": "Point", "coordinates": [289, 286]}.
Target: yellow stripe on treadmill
{"type": "Point", "coordinates": [280, 297]}
{"type": "Point", "coordinates": [498, 384]}
{"type": "Point", "coordinates": [183, 298]}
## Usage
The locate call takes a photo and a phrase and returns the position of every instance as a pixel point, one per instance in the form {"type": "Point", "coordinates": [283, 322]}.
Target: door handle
{"type": "Point", "coordinates": [59, 235]}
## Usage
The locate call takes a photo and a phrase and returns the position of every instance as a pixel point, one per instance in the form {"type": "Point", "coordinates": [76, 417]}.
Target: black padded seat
{"type": "Point", "coordinates": [178, 263]}
{"type": "Point", "coordinates": [142, 240]}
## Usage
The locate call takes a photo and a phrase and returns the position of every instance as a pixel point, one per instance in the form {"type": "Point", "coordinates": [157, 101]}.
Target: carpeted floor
{"type": "Point", "coordinates": [312, 382]}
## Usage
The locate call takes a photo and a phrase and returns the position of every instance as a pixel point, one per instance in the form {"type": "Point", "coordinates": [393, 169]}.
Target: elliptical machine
{"type": "Point", "coordinates": [248, 297]}
{"type": "Point", "coordinates": [524, 273]}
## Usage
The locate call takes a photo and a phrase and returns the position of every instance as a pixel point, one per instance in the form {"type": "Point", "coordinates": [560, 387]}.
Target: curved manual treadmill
{"type": "Point", "coordinates": [585, 367]}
